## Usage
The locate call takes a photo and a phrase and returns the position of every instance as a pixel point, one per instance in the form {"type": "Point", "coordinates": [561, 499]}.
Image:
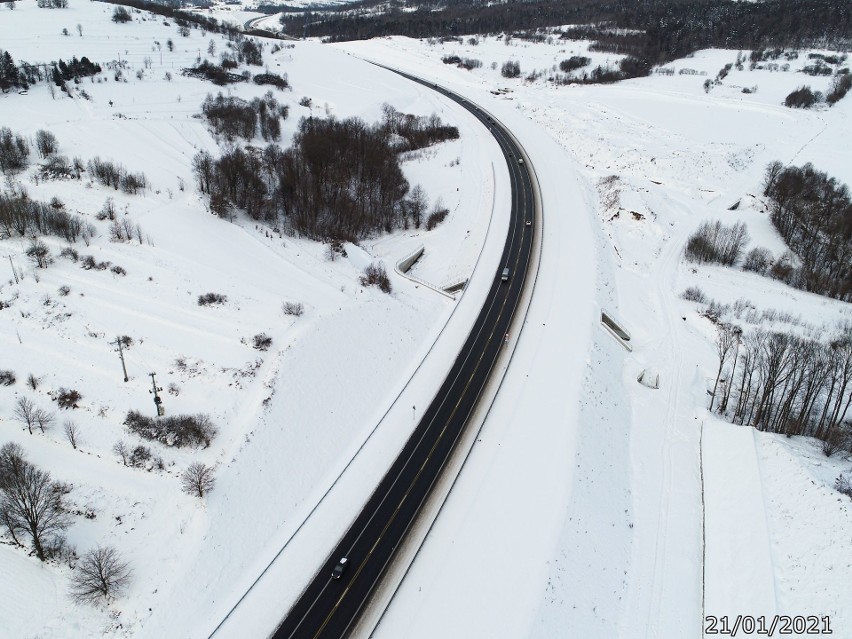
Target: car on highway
{"type": "Point", "coordinates": [520, 160]}
{"type": "Point", "coordinates": [339, 568]}
{"type": "Point", "coordinates": [529, 222]}
{"type": "Point", "coordinates": [505, 276]}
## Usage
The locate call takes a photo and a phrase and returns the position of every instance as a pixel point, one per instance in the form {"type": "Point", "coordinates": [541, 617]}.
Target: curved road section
{"type": "Point", "coordinates": [328, 608]}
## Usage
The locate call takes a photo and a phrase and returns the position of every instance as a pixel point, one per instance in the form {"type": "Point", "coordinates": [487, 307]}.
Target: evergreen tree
{"type": "Point", "coordinates": [8, 72]}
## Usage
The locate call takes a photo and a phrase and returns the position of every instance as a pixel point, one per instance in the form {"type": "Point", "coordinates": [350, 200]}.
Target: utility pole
{"type": "Point", "coordinates": [119, 342]}
{"type": "Point", "coordinates": [158, 402]}
{"type": "Point", "coordinates": [14, 272]}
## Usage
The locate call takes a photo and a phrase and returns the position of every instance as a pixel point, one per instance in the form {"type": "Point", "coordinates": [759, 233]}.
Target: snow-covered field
{"type": "Point", "coordinates": [579, 511]}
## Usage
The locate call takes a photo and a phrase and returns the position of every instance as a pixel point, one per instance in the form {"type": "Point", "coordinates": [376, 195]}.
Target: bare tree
{"type": "Point", "coordinates": [46, 143]}
{"type": "Point", "coordinates": [416, 205]}
{"type": "Point", "coordinates": [43, 419]}
{"type": "Point", "coordinates": [101, 574]}
{"type": "Point", "coordinates": [122, 450]}
{"type": "Point", "coordinates": [72, 432]}
{"type": "Point", "coordinates": [11, 461]}
{"type": "Point", "coordinates": [726, 341]}
{"type": "Point", "coordinates": [11, 458]}
{"type": "Point", "coordinates": [31, 503]}
{"type": "Point", "coordinates": [25, 413]}
{"type": "Point", "coordinates": [197, 480]}
{"type": "Point", "coordinates": [39, 253]}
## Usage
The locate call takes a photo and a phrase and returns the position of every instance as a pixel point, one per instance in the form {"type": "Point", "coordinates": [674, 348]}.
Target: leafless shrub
{"type": "Point", "coordinates": [437, 216]}
{"type": "Point", "coordinates": [101, 574]}
{"type": "Point", "coordinates": [261, 342]}
{"type": "Point", "coordinates": [69, 253]}
{"type": "Point", "coordinates": [833, 442]}
{"type": "Point", "coordinates": [141, 457]}
{"type": "Point", "coordinates": [293, 308]}
{"type": "Point", "coordinates": [7, 378]}
{"type": "Point", "coordinates": [843, 484]}
{"type": "Point", "coordinates": [68, 398]}
{"type": "Point", "coordinates": [758, 260]}
{"type": "Point", "coordinates": [107, 211]}
{"type": "Point", "coordinates": [211, 298]}
{"type": "Point", "coordinates": [694, 294]}
{"type": "Point", "coordinates": [176, 430]}
{"type": "Point", "coordinates": [375, 275]}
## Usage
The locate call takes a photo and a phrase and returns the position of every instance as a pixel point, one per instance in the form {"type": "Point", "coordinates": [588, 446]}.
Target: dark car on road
{"type": "Point", "coordinates": [340, 567]}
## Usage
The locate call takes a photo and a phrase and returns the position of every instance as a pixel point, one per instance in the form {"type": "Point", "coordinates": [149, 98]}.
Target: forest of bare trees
{"type": "Point", "coordinates": [22, 217]}
{"type": "Point", "coordinates": [340, 179]}
{"type": "Point", "coordinates": [813, 213]}
{"type": "Point", "coordinates": [649, 33]}
{"type": "Point", "coordinates": [715, 242]}
{"type": "Point", "coordinates": [783, 383]}
{"type": "Point", "coordinates": [232, 117]}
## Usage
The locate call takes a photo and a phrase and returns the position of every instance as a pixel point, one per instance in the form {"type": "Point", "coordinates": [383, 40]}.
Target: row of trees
{"type": "Point", "coordinates": [115, 175]}
{"type": "Point", "coordinates": [782, 383]}
{"type": "Point", "coordinates": [23, 217]}
{"type": "Point", "coordinates": [15, 154]}
{"type": "Point", "coordinates": [804, 97]}
{"type": "Point", "coordinates": [24, 75]}
{"type": "Point", "coordinates": [813, 213]}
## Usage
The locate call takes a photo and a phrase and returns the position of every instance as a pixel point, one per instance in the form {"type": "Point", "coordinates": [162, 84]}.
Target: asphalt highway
{"type": "Point", "coordinates": [328, 608]}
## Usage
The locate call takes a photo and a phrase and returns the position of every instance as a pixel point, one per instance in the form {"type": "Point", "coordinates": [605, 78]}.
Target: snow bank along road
{"type": "Point", "coordinates": [328, 608]}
